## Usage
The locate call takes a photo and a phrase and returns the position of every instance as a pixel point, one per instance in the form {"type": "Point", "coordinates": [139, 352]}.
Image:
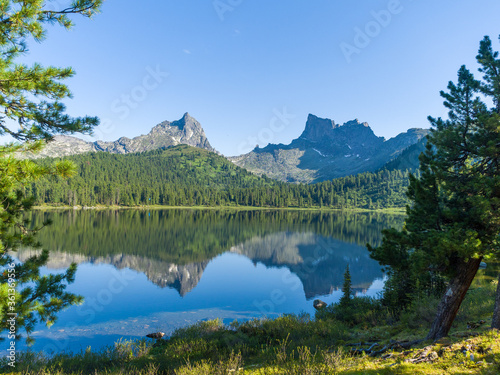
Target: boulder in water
{"type": "Point", "coordinates": [319, 304]}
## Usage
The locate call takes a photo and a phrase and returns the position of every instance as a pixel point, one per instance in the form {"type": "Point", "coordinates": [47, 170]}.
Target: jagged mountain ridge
{"type": "Point", "coordinates": [187, 131]}
{"type": "Point", "coordinates": [326, 150]}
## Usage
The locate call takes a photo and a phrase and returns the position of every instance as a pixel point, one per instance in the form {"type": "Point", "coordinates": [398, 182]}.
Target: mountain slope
{"type": "Point", "coordinates": [408, 159]}
{"type": "Point", "coordinates": [326, 151]}
{"type": "Point", "coordinates": [166, 134]}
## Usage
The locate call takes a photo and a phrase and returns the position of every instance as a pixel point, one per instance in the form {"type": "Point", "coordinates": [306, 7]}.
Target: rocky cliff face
{"type": "Point", "coordinates": [184, 131]}
{"type": "Point", "coordinates": [326, 150]}
{"type": "Point", "coordinates": [351, 138]}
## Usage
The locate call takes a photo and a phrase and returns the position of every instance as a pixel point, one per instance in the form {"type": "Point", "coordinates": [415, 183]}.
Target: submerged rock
{"type": "Point", "coordinates": [156, 335]}
{"type": "Point", "coordinates": [319, 304]}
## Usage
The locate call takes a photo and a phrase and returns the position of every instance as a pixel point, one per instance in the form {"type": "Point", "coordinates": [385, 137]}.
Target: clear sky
{"type": "Point", "coordinates": [252, 70]}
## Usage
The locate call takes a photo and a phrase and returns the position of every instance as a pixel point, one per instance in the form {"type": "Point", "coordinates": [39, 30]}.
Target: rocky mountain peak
{"type": "Point", "coordinates": [327, 133]}
{"type": "Point", "coordinates": [356, 122]}
{"type": "Point", "coordinates": [360, 133]}
{"type": "Point", "coordinates": [317, 128]}
{"type": "Point", "coordinates": [188, 122]}
{"type": "Point", "coordinates": [326, 150]}
{"type": "Point", "coordinates": [186, 125]}
{"type": "Point", "coordinates": [187, 130]}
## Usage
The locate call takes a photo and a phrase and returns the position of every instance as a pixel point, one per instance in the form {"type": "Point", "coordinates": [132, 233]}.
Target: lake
{"type": "Point", "coordinates": [144, 271]}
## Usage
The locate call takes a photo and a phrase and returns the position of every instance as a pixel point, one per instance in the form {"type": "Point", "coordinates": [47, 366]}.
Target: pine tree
{"type": "Point", "coordinates": [454, 219]}
{"type": "Point", "coordinates": [346, 288]}
{"type": "Point", "coordinates": [31, 112]}
{"type": "Point", "coordinates": [490, 67]}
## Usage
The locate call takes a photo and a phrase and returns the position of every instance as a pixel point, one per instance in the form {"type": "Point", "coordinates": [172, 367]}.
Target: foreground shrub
{"type": "Point", "coordinates": [365, 311]}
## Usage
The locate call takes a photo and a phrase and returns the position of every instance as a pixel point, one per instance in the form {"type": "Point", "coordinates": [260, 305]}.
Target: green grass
{"type": "Point", "coordinates": [394, 211]}
{"type": "Point", "coordinates": [299, 344]}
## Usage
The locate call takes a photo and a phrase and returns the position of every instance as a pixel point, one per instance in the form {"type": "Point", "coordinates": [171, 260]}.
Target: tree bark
{"type": "Point", "coordinates": [495, 323]}
{"type": "Point", "coordinates": [453, 297]}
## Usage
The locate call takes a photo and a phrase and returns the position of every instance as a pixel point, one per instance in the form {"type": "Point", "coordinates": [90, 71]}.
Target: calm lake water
{"type": "Point", "coordinates": [147, 271]}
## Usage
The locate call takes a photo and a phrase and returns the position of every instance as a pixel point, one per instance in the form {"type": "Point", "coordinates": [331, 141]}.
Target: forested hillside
{"type": "Point", "coordinates": [187, 176]}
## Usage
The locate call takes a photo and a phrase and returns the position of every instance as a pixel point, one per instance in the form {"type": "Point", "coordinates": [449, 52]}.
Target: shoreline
{"type": "Point", "coordinates": [394, 210]}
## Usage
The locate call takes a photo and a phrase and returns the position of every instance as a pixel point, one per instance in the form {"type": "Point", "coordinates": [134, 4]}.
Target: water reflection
{"type": "Point", "coordinates": [206, 264]}
{"type": "Point", "coordinates": [318, 261]}
{"type": "Point", "coordinates": [173, 247]}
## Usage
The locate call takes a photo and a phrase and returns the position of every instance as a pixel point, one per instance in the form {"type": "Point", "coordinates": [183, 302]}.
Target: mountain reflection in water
{"type": "Point", "coordinates": [173, 247]}
{"type": "Point", "coordinates": [205, 256]}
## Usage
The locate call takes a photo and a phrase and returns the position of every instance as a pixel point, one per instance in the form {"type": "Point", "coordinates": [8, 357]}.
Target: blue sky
{"type": "Point", "coordinates": [251, 71]}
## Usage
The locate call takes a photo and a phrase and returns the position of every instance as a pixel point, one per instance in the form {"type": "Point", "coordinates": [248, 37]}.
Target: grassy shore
{"type": "Point", "coordinates": [393, 210]}
{"type": "Point", "coordinates": [334, 342]}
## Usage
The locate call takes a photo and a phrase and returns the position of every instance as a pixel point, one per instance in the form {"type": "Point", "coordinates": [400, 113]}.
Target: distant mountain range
{"type": "Point", "coordinates": [166, 134]}
{"type": "Point", "coordinates": [324, 151]}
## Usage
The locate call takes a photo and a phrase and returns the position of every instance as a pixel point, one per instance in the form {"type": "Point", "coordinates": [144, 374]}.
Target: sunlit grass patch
{"type": "Point", "coordinates": [299, 344]}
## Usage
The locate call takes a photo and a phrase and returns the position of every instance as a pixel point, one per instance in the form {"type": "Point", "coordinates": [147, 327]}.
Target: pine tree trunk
{"type": "Point", "coordinates": [453, 297]}
{"type": "Point", "coordinates": [495, 323]}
